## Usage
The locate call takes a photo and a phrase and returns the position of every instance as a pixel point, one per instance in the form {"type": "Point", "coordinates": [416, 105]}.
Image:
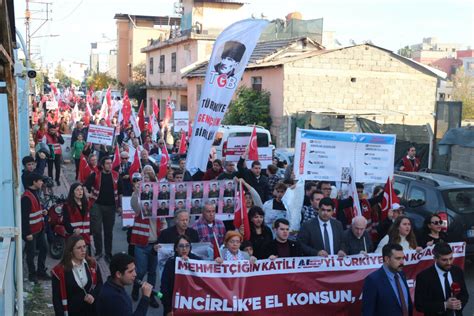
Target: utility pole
{"type": "Point", "coordinates": [28, 22]}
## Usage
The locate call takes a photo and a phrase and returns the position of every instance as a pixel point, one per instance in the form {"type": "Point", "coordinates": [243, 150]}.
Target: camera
{"type": "Point", "coordinates": [31, 73]}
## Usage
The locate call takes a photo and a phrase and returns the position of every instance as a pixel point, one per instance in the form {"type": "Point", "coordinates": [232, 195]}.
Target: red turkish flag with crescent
{"type": "Point", "coordinates": [126, 108]}
{"type": "Point", "coordinates": [241, 215]}
{"type": "Point", "coordinates": [163, 163]}
{"type": "Point", "coordinates": [253, 148]}
{"type": "Point", "coordinates": [389, 198]}
{"type": "Point", "coordinates": [156, 108]}
{"type": "Point", "coordinates": [116, 161]}
{"type": "Point", "coordinates": [182, 146]}
{"type": "Point", "coordinates": [84, 169]}
{"type": "Point", "coordinates": [135, 166]}
{"type": "Point", "coordinates": [141, 117]}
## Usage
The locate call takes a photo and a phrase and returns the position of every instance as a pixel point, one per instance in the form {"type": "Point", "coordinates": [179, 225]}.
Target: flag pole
{"type": "Point", "coordinates": [390, 191]}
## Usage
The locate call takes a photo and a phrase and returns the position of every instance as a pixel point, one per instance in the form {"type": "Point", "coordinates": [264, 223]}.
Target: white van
{"type": "Point", "coordinates": [264, 138]}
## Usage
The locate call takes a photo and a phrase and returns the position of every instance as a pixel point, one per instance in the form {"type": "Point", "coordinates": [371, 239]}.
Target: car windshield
{"type": "Point", "coordinates": [460, 200]}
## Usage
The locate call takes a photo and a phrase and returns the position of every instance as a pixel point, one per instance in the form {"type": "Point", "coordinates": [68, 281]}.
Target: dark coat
{"type": "Point", "coordinates": [354, 246]}
{"type": "Point", "coordinates": [260, 185]}
{"type": "Point", "coordinates": [114, 300]}
{"type": "Point", "coordinates": [271, 248]}
{"type": "Point", "coordinates": [311, 237]}
{"type": "Point", "coordinates": [429, 296]}
{"type": "Point", "coordinates": [259, 241]}
{"type": "Point", "coordinates": [378, 297]}
{"type": "Point", "coordinates": [170, 235]}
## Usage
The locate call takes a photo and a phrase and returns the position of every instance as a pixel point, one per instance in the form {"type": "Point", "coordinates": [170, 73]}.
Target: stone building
{"type": "Point", "coordinates": [356, 80]}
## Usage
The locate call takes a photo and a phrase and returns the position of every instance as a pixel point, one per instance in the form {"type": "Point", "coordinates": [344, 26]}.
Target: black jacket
{"type": "Point", "coordinates": [167, 282]}
{"type": "Point", "coordinates": [75, 295]}
{"type": "Point", "coordinates": [170, 235]}
{"type": "Point", "coordinates": [271, 248]}
{"type": "Point", "coordinates": [260, 185]}
{"type": "Point", "coordinates": [429, 296]}
{"type": "Point", "coordinates": [259, 241]}
{"type": "Point", "coordinates": [113, 300]}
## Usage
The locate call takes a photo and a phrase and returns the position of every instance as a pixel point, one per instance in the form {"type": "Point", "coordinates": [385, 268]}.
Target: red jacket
{"type": "Point", "coordinates": [36, 213]}
{"type": "Point", "coordinates": [55, 141]}
{"type": "Point", "coordinates": [411, 165]}
{"type": "Point", "coordinates": [79, 221]}
{"type": "Point", "coordinates": [96, 188]}
{"type": "Point", "coordinates": [141, 230]}
{"type": "Point", "coordinates": [210, 174]}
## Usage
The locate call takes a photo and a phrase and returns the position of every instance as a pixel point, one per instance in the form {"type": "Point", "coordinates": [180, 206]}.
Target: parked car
{"type": "Point", "coordinates": [451, 195]}
{"type": "Point", "coordinates": [264, 138]}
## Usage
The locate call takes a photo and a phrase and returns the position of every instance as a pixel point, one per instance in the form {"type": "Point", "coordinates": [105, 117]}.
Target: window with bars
{"type": "Point", "coordinates": [173, 62]}
{"type": "Point", "coordinates": [162, 63]}
{"type": "Point", "coordinates": [150, 70]}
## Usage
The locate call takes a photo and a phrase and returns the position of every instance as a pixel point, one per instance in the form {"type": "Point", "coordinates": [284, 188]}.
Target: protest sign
{"type": "Point", "coordinates": [51, 105]}
{"type": "Point", "coordinates": [328, 156]}
{"type": "Point", "coordinates": [236, 147]}
{"type": "Point", "coordinates": [230, 55]}
{"type": "Point", "coordinates": [102, 135]}
{"type": "Point", "coordinates": [286, 286]}
{"type": "Point", "coordinates": [128, 215]}
{"type": "Point", "coordinates": [181, 121]}
{"type": "Point", "coordinates": [162, 199]}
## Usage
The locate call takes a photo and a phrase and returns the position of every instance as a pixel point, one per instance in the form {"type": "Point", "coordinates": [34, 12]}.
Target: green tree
{"type": "Point", "coordinates": [463, 90]}
{"type": "Point", "coordinates": [250, 107]}
{"type": "Point", "coordinates": [137, 87]}
{"type": "Point", "coordinates": [100, 80]}
{"type": "Point", "coordinates": [405, 51]}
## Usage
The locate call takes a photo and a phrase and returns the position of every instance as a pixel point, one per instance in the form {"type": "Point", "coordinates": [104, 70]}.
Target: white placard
{"type": "Point", "coordinates": [128, 215]}
{"type": "Point", "coordinates": [265, 157]}
{"type": "Point", "coordinates": [236, 148]}
{"type": "Point", "coordinates": [323, 155]}
{"type": "Point", "coordinates": [51, 105]}
{"type": "Point", "coordinates": [102, 135]}
{"type": "Point", "coordinates": [181, 121]}
{"type": "Point", "coordinates": [201, 249]}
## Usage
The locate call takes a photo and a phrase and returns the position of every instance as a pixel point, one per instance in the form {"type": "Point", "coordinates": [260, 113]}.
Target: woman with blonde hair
{"type": "Point", "coordinates": [231, 250]}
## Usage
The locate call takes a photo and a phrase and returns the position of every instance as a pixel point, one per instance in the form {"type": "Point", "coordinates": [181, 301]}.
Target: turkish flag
{"type": "Point", "coordinates": [163, 163]}
{"type": "Point", "coordinates": [126, 109]}
{"type": "Point", "coordinates": [253, 148]}
{"type": "Point", "coordinates": [84, 169]}
{"type": "Point", "coordinates": [168, 112]}
{"type": "Point", "coordinates": [108, 97]}
{"type": "Point", "coordinates": [389, 198]}
{"type": "Point", "coordinates": [135, 166]}
{"type": "Point", "coordinates": [141, 118]}
{"type": "Point", "coordinates": [241, 215]}
{"type": "Point", "coordinates": [156, 108]}
{"type": "Point", "coordinates": [116, 162]}
{"type": "Point", "coordinates": [183, 145]}
{"type": "Point", "coordinates": [215, 245]}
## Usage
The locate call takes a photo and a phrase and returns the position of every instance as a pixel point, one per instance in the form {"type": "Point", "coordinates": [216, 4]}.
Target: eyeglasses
{"type": "Point", "coordinates": [124, 158]}
{"type": "Point", "coordinates": [184, 246]}
{"type": "Point", "coordinates": [234, 242]}
{"type": "Point", "coordinates": [437, 223]}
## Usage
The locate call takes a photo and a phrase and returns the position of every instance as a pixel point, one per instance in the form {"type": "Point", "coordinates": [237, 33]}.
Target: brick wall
{"type": "Point", "coordinates": [379, 83]}
{"type": "Point", "coordinates": [462, 160]}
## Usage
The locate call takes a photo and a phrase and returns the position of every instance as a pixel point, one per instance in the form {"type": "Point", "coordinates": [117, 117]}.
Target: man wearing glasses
{"type": "Point", "coordinates": [122, 169]}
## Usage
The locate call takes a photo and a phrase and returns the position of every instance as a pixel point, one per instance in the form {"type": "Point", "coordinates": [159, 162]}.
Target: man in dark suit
{"type": "Point", "coordinates": [281, 246]}
{"type": "Point", "coordinates": [322, 236]}
{"type": "Point", "coordinates": [386, 290]}
{"type": "Point", "coordinates": [433, 295]}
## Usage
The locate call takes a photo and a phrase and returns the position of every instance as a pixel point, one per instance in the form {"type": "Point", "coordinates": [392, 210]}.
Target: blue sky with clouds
{"type": "Point", "coordinates": [387, 23]}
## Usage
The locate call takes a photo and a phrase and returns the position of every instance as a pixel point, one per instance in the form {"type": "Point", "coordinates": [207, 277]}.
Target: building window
{"type": "Point", "coordinates": [130, 48]}
{"type": "Point", "coordinates": [183, 103]}
{"type": "Point", "coordinates": [198, 92]}
{"type": "Point", "coordinates": [173, 62]}
{"type": "Point", "coordinates": [256, 83]}
{"type": "Point", "coordinates": [162, 108]}
{"type": "Point", "coordinates": [130, 70]}
{"type": "Point", "coordinates": [150, 71]}
{"type": "Point", "coordinates": [162, 63]}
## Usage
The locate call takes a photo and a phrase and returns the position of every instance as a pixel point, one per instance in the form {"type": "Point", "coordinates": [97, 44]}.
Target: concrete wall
{"type": "Point", "coordinates": [462, 160]}
{"type": "Point", "coordinates": [361, 78]}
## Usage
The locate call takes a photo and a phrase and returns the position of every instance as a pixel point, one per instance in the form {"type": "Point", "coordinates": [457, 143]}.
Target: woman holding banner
{"type": "Point", "coordinates": [231, 251]}
{"type": "Point", "coordinates": [400, 233]}
{"type": "Point", "coordinates": [182, 249]}
{"type": "Point", "coordinates": [259, 234]}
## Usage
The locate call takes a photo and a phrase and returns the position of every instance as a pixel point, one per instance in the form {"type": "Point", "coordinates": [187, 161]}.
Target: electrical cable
{"type": "Point", "coordinates": [70, 13]}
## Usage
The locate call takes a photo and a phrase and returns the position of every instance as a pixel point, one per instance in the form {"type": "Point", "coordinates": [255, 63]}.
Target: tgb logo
{"type": "Point", "coordinates": [227, 67]}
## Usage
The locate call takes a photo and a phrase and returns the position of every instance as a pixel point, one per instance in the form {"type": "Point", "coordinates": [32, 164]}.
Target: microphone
{"type": "Point", "coordinates": [455, 289]}
{"type": "Point", "coordinates": [154, 292]}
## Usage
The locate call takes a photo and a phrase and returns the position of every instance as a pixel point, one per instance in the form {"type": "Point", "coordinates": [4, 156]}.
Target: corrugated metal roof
{"type": "Point", "coordinates": [261, 51]}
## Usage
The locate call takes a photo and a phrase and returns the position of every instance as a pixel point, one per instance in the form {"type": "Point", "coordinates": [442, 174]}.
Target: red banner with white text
{"type": "Point", "coordinates": [286, 286]}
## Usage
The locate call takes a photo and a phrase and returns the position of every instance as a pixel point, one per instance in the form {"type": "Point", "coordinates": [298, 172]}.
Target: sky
{"type": "Point", "coordinates": [387, 23]}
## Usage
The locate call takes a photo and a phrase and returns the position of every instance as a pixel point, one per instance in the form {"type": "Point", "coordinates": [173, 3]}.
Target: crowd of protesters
{"type": "Point", "coordinates": [328, 224]}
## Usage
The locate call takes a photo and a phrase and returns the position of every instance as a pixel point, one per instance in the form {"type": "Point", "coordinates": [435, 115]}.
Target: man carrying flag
{"type": "Point", "coordinates": [241, 218]}
{"type": "Point", "coordinates": [135, 166]}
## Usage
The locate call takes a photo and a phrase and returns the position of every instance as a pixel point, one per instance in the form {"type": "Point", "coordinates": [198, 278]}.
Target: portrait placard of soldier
{"type": "Point", "coordinates": [180, 193]}
{"type": "Point", "coordinates": [197, 191]}
{"type": "Point", "coordinates": [229, 206]}
{"type": "Point", "coordinates": [229, 189]}
{"type": "Point", "coordinates": [196, 207]}
{"type": "Point", "coordinates": [163, 209]}
{"type": "Point", "coordinates": [213, 202]}
{"type": "Point", "coordinates": [164, 193]}
{"type": "Point", "coordinates": [180, 205]}
{"type": "Point", "coordinates": [146, 209]}
{"type": "Point", "coordinates": [213, 190]}
{"type": "Point", "coordinates": [147, 192]}
{"type": "Point", "coordinates": [230, 58]}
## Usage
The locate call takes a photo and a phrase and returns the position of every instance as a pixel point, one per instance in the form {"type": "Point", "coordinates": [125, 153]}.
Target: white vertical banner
{"type": "Point", "coordinates": [230, 55]}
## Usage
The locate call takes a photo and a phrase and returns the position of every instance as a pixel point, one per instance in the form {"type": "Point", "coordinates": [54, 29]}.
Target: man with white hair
{"type": "Point", "coordinates": [357, 239]}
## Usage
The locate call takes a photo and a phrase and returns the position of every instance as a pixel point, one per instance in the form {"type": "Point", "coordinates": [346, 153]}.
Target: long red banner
{"type": "Point", "coordinates": [286, 286]}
